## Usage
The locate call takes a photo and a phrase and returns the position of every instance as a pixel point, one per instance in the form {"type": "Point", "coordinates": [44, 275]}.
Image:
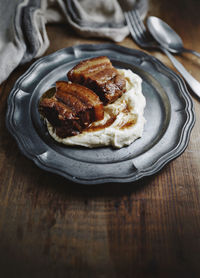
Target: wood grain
{"type": "Point", "coordinates": [50, 227]}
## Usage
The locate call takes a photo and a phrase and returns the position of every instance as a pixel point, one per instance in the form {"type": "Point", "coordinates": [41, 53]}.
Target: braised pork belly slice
{"type": "Point", "coordinates": [83, 94]}
{"type": "Point", "coordinates": [99, 75]}
{"type": "Point", "coordinates": [72, 108]}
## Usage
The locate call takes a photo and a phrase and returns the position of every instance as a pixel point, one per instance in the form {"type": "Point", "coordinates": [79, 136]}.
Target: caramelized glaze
{"type": "Point", "coordinates": [71, 108]}
{"type": "Point", "coordinates": [99, 75]}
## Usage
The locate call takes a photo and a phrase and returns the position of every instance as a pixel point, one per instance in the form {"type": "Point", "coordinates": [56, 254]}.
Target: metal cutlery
{"type": "Point", "coordinates": [144, 39]}
{"type": "Point", "coordinates": [166, 36]}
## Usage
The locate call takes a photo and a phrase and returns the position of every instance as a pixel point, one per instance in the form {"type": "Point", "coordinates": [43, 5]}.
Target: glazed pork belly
{"type": "Point", "coordinates": [99, 75]}
{"type": "Point", "coordinates": [71, 109]}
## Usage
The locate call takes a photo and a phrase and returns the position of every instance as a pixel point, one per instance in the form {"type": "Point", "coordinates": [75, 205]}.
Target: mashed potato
{"type": "Point", "coordinates": [123, 120]}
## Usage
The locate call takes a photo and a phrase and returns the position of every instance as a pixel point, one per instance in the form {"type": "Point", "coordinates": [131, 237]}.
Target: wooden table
{"type": "Point", "coordinates": [50, 227]}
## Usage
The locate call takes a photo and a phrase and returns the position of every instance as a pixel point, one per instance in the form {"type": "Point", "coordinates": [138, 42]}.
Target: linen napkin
{"type": "Point", "coordinates": [23, 33]}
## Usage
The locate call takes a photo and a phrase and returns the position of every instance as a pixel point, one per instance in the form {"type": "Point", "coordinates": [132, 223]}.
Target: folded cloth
{"type": "Point", "coordinates": [23, 33]}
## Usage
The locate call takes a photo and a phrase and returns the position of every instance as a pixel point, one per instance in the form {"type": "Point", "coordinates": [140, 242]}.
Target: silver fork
{"type": "Point", "coordinates": [144, 39]}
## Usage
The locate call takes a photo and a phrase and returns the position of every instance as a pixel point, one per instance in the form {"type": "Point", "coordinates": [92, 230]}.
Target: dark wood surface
{"type": "Point", "coordinates": [50, 227]}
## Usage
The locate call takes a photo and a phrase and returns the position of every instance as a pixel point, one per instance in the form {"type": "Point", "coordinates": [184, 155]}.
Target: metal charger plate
{"type": "Point", "coordinates": [169, 118]}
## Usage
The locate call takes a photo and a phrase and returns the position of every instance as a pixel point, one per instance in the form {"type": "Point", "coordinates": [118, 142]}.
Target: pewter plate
{"type": "Point", "coordinates": [169, 118]}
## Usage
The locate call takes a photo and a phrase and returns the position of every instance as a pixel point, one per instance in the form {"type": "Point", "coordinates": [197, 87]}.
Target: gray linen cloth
{"type": "Point", "coordinates": [23, 33]}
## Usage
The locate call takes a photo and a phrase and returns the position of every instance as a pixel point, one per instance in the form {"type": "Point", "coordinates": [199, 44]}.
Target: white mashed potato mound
{"type": "Point", "coordinates": [123, 120]}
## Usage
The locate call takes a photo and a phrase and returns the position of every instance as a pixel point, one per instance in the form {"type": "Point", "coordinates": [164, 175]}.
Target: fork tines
{"type": "Point", "coordinates": [137, 28]}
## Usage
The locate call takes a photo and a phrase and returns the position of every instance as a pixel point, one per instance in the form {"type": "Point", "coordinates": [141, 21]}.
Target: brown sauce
{"type": "Point", "coordinates": [99, 127]}
{"type": "Point", "coordinates": [128, 124]}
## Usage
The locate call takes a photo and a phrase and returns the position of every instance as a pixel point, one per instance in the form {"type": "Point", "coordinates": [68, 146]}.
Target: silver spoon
{"type": "Point", "coordinates": [155, 32]}
{"type": "Point", "coordinates": [167, 36]}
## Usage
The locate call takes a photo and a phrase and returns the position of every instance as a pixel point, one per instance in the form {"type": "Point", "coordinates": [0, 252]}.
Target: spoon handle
{"type": "Point", "coordinates": [192, 51]}
{"type": "Point", "coordinates": [192, 82]}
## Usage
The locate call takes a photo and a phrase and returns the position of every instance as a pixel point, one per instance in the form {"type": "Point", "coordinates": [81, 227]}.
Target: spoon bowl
{"type": "Point", "coordinates": [167, 41]}
{"type": "Point", "coordinates": [166, 36]}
